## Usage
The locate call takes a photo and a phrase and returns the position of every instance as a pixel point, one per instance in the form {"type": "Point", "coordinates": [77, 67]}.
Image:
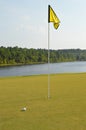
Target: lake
{"type": "Point", "coordinates": [66, 67]}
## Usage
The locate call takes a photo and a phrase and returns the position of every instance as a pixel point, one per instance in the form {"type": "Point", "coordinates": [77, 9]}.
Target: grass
{"type": "Point", "coordinates": [65, 110]}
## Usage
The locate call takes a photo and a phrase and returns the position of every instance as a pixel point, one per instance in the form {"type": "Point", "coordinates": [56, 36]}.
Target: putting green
{"type": "Point", "coordinates": [65, 110]}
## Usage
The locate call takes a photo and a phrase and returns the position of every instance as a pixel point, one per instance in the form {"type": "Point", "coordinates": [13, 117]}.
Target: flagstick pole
{"type": "Point", "coordinates": [48, 60]}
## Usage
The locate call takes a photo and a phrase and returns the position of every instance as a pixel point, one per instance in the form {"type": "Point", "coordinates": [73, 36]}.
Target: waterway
{"type": "Point", "coordinates": [53, 68]}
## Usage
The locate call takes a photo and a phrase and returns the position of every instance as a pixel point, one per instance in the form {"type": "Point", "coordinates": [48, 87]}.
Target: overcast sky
{"type": "Point", "coordinates": [24, 23]}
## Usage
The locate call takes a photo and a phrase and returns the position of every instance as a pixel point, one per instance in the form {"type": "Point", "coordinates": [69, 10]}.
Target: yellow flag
{"type": "Point", "coordinates": [52, 17]}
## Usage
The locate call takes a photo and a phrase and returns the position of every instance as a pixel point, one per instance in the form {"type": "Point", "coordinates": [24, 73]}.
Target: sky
{"type": "Point", "coordinates": [24, 23]}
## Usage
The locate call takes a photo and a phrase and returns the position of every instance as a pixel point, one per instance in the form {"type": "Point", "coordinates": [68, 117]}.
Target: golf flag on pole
{"type": "Point", "coordinates": [52, 17]}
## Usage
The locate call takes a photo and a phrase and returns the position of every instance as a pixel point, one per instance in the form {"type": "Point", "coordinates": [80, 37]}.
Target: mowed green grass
{"type": "Point", "coordinates": [65, 110]}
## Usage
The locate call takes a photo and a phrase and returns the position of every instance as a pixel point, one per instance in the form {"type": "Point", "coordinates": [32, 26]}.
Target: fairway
{"type": "Point", "coordinates": [65, 110]}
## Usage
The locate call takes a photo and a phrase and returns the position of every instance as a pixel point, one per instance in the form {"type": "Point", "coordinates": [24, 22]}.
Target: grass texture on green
{"type": "Point", "coordinates": [65, 110]}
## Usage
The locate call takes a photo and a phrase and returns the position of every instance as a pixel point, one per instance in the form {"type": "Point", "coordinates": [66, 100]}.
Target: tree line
{"type": "Point", "coordinates": [17, 55]}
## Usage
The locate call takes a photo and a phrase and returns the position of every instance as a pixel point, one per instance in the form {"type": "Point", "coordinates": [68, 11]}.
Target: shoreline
{"type": "Point", "coordinates": [34, 63]}
{"type": "Point", "coordinates": [21, 64]}
{"type": "Point", "coordinates": [37, 75]}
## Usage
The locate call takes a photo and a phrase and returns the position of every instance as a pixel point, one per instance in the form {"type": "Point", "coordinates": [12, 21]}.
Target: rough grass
{"type": "Point", "coordinates": [65, 110]}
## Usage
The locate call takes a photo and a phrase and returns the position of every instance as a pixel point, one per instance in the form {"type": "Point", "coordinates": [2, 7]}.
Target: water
{"type": "Point", "coordinates": [67, 67]}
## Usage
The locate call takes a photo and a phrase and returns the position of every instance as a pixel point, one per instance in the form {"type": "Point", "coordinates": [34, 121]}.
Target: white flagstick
{"type": "Point", "coordinates": [48, 60]}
